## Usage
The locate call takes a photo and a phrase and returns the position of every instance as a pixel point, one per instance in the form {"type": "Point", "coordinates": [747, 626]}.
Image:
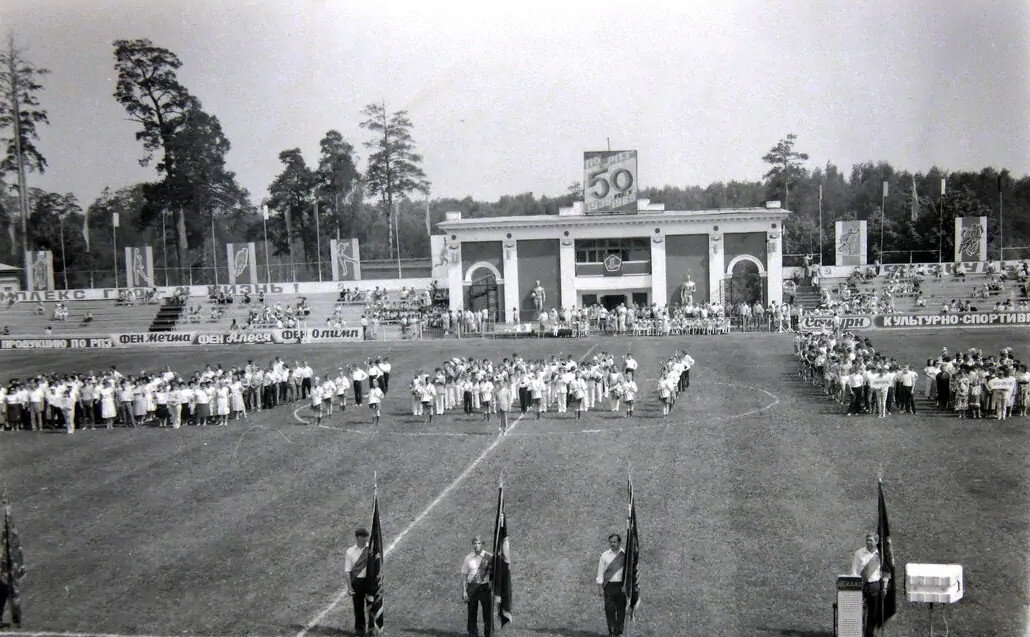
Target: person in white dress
{"type": "Point", "coordinates": [107, 405]}
{"type": "Point", "coordinates": [222, 403]}
{"type": "Point", "coordinates": [237, 405]}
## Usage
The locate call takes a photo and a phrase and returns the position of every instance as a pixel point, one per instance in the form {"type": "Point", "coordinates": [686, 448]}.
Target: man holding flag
{"type": "Point", "coordinates": [475, 586]}
{"type": "Point", "coordinates": [610, 570]}
{"type": "Point", "coordinates": [355, 568]}
{"type": "Point", "coordinates": [617, 573]}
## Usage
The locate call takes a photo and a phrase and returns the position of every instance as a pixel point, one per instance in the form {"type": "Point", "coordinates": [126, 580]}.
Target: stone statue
{"type": "Point", "coordinates": [539, 296]}
{"type": "Point", "coordinates": [687, 291]}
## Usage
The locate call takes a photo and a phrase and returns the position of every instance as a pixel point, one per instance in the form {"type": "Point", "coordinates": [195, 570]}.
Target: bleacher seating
{"type": "Point", "coordinates": [22, 318]}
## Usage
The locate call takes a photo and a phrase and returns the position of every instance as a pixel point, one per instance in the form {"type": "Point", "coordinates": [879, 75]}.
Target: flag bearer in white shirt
{"type": "Point", "coordinates": [609, 583]}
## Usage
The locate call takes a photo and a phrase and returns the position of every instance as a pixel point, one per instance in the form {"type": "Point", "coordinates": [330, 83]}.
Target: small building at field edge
{"type": "Point", "coordinates": [644, 256]}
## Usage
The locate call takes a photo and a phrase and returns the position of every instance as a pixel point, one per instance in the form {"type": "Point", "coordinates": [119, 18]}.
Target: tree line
{"type": "Point", "coordinates": [196, 205]}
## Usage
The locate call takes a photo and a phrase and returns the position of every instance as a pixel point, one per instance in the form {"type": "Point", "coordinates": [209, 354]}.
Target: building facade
{"type": "Point", "coordinates": [513, 265]}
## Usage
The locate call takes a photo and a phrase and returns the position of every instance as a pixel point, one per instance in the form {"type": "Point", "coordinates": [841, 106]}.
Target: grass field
{"type": "Point", "coordinates": [751, 500]}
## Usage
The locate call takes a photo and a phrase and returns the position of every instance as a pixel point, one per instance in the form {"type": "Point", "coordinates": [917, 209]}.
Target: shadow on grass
{"type": "Point", "coordinates": [325, 631]}
{"type": "Point", "coordinates": [564, 632]}
{"type": "Point", "coordinates": [433, 632]}
{"type": "Point", "coordinates": [795, 632]}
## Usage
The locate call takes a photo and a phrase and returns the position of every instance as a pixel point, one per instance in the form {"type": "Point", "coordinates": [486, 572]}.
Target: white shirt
{"type": "Point", "coordinates": [606, 559]}
{"type": "Point", "coordinates": [470, 566]}
{"type": "Point", "coordinates": [349, 559]}
{"type": "Point", "coordinates": [859, 561]}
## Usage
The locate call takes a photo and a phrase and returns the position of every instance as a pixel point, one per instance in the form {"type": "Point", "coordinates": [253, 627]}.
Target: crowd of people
{"type": "Point", "coordinates": [215, 395]}
{"type": "Point", "coordinates": [850, 371]}
{"type": "Point", "coordinates": [559, 384]}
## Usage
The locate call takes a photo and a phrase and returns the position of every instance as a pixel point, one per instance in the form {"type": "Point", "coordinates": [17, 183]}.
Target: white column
{"type": "Point", "coordinates": [511, 278]}
{"type": "Point", "coordinates": [716, 267]}
{"type": "Point", "coordinates": [659, 291]}
{"type": "Point", "coordinates": [455, 285]}
{"type": "Point", "coordinates": [567, 271]}
{"type": "Point", "coordinates": [774, 266]}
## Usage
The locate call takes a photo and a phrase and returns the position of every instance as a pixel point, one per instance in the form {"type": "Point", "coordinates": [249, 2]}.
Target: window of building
{"type": "Point", "coordinates": [595, 250]}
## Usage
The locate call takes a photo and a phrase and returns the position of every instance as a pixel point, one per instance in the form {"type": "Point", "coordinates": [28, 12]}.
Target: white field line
{"type": "Point", "coordinates": [421, 516]}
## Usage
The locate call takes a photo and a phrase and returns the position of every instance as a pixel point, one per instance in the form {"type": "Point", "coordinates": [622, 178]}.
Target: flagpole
{"type": "Point", "coordinates": [940, 226]}
{"type": "Point", "coordinates": [820, 226]}
{"type": "Point", "coordinates": [264, 226]}
{"type": "Point", "coordinates": [114, 243]}
{"type": "Point", "coordinates": [164, 243]}
{"type": "Point", "coordinates": [1001, 226]}
{"type": "Point", "coordinates": [397, 236]}
{"type": "Point", "coordinates": [883, 219]}
{"type": "Point", "coordinates": [318, 241]}
{"type": "Point", "coordinates": [214, 248]}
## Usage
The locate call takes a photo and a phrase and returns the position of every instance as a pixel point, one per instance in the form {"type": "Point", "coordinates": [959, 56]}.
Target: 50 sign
{"type": "Point", "coordinates": [610, 180]}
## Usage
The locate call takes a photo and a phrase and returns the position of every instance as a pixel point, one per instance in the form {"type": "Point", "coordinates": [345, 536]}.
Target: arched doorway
{"type": "Point", "coordinates": [483, 290]}
{"type": "Point", "coordinates": [745, 283]}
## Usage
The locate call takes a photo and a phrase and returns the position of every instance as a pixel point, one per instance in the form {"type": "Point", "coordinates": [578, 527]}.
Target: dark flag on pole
{"type": "Point", "coordinates": [500, 569]}
{"type": "Point", "coordinates": [915, 200]}
{"type": "Point", "coordinates": [12, 563]}
{"type": "Point", "coordinates": [889, 601]}
{"type": "Point", "coordinates": [374, 568]}
{"type": "Point", "coordinates": [630, 583]}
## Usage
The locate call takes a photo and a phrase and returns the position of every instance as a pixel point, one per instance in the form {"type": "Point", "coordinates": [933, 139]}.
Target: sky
{"type": "Point", "coordinates": [505, 98]}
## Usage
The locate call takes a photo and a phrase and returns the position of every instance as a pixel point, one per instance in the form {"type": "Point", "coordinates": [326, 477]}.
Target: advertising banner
{"type": "Point", "coordinates": [610, 181]}
{"type": "Point", "coordinates": [346, 259]}
{"type": "Point", "coordinates": [242, 260]}
{"type": "Point", "coordinates": [81, 342]}
{"type": "Point", "coordinates": [850, 242]}
{"type": "Point", "coordinates": [963, 319]}
{"type": "Point", "coordinates": [815, 323]}
{"type": "Point", "coordinates": [39, 270]}
{"type": "Point", "coordinates": [970, 239]}
{"type": "Point", "coordinates": [139, 267]}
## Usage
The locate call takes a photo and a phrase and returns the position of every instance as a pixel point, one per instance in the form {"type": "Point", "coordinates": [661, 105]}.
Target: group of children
{"type": "Point", "coordinates": [560, 384]}
{"type": "Point", "coordinates": [211, 396]}
{"type": "Point", "coordinates": [852, 372]}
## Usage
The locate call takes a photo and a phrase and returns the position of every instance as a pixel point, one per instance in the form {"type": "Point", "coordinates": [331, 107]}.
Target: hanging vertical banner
{"type": "Point", "coordinates": [139, 267]}
{"type": "Point", "coordinates": [970, 239]}
{"type": "Point", "coordinates": [242, 260]}
{"type": "Point", "coordinates": [441, 260]}
{"type": "Point", "coordinates": [346, 259]}
{"type": "Point", "coordinates": [850, 242]}
{"type": "Point", "coordinates": [39, 270]}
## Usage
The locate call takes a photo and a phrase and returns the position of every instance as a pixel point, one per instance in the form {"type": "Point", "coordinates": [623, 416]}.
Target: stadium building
{"type": "Point", "coordinates": [607, 251]}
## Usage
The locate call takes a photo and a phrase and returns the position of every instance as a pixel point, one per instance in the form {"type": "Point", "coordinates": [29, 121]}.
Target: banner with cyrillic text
{"type": "Point", "coordinates": [958, 319]}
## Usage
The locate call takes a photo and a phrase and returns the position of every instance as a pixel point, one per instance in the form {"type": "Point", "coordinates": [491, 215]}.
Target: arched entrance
{"type": "Point", "coordinates": [745, 282]}
{"type": "Point", "coordinates": [484, 289]}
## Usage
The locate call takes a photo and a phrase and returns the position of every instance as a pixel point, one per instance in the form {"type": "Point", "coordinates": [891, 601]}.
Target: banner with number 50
{"type": "Point", "coordinates": [610, 181]}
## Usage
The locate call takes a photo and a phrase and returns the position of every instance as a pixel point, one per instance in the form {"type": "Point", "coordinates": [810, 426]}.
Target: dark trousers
{"type": "Point", "coordinates": [614, 607]}
{"type": "Point", "coordinates": [524, 398]}
{"type": "Point", "coordinates": [386, 382]}
{"type": "Point", "coordinates": [466, 401]}
{"type": "Point", "coordinates": [479, 597]}
{"type": "Point", "coordinates": [10, 594]}
{"type": "Point", "coordinates": [305, 388]}
{"type": "Point", "coordinates": [871, 619]}
{"type": "Point", "coordinates": [360, 586]}
{"type": "Point", "coordinates": [908, 401]}
{"type": "Point", "coordinates": [357, 392]}
{"type": "Point", "coordinates": [856, 400]}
